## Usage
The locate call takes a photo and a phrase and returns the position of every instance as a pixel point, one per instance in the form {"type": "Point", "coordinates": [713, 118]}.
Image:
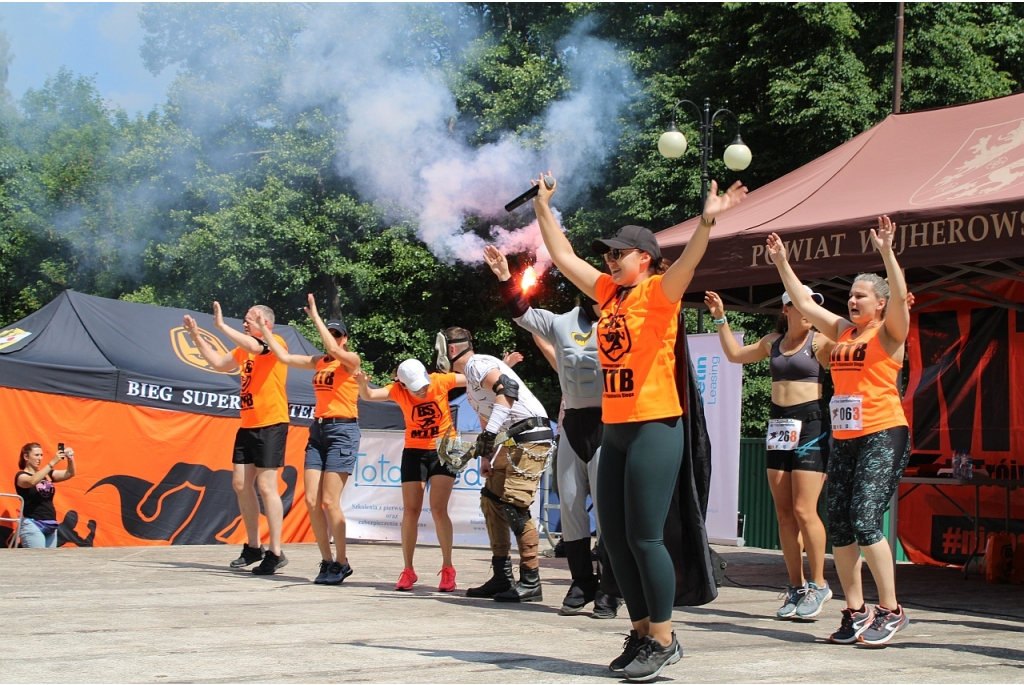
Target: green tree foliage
{"type": "Point", "coordinates": [232, 191]}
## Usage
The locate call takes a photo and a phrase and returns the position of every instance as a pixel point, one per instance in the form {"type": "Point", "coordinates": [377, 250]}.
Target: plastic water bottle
{"type": "Point", "coordinates": [966, 466]}
{"type": "Point", "coordinates": [957, 464]}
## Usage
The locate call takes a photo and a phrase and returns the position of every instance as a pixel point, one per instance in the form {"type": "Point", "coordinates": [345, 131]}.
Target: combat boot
{"type": "Point", "coordinates": [526, 590]}
{"type": "Point", "coordinates": [501, 579]}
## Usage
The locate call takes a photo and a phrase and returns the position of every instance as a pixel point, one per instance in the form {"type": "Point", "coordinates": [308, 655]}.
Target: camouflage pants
{"type": "Point", "coordinates": [515, 475]}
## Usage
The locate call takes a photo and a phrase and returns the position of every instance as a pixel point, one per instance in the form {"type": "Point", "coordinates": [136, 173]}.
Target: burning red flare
{"type": "Point", "coordinates": [529, 279]}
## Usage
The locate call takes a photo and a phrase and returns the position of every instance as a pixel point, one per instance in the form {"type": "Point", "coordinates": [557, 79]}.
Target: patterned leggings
{"type": "Point", "coordinates": [862, 476]}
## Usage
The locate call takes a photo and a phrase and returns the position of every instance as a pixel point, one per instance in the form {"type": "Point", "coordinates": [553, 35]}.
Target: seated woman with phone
{"type": "Point", "coordinates": [34, 482]}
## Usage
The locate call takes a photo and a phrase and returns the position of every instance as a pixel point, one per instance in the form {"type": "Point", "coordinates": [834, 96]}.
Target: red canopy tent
{"type": "Point", "coordinates": [952, 178]}
{"type": "Point", "coordinates": [953, 181]}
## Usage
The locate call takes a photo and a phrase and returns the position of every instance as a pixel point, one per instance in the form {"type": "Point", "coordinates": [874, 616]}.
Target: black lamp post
{"type": "Point", "coordinates": [672, 143]}
{"type": "Point", "coordinates": [737, 155]}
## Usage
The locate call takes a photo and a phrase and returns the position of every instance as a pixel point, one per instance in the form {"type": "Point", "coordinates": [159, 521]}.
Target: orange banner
{"type": "Point", "coordinates": [144, 476]}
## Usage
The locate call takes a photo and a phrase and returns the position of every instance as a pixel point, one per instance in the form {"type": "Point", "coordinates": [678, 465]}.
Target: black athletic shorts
{"type": "Point", "coordinates": [811, 453]}
{"type": "Point", "coordinates": [263, 447]}
{"type": "Point", "coordinates": [419, 466]}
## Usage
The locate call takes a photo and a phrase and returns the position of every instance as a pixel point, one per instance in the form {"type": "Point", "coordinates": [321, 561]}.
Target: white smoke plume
{"type": "Point", "coordinates": [398, 144]}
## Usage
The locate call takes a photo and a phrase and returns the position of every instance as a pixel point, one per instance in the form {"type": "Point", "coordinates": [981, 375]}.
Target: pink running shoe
{"type": "Point", "coordinates": [447, 583]}
{"type": "Point", "coordinates": [406, 580]}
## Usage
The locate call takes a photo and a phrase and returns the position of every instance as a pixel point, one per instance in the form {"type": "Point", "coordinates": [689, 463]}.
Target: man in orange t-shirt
{"type": "Point", "coordinates": [260, 441]}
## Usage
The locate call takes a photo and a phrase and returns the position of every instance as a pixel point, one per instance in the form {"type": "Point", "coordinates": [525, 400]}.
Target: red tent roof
{"type": "Point", "coordinates": [951, 178]}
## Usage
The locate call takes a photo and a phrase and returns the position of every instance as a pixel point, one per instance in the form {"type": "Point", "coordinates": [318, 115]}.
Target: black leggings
{"type": "Point", "coordinates": [635, 480]}
{"type": "Point", "coordinates": [862, 476]}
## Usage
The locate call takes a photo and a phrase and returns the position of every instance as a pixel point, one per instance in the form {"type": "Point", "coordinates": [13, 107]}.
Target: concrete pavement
{"type": "Point", "coordinates": [179, 614]}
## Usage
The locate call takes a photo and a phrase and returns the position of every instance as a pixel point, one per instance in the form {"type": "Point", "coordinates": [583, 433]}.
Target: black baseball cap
{"type": "Point", "coordinates": [630, 237]}
{"type": "Point", "coordinates": [337, 325]}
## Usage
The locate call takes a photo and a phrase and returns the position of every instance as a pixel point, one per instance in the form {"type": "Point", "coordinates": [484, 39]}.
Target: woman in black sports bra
{"type": "Point", "coordinates": [797, 443]}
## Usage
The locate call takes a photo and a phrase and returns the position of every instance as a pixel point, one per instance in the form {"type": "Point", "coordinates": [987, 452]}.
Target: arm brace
{"type": "Point", "coordinates": [513, 297]}
{"type": "Point", "coordinates": [499, 414]}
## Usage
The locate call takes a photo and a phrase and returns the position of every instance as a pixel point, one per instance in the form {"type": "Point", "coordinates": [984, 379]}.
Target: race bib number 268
{"type": "Point", "coordinates": [783, 434]}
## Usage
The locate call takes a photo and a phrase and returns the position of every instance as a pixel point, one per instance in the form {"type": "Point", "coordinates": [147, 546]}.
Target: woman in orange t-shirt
{"type": "Point", "coordinates": [423, 398]}
{"type": "Point", "coordinates": [642, 447]}
{"type": "Point", "coordinates": [333, 444]}
{"type": "Point", "coordinates": [871, 439]}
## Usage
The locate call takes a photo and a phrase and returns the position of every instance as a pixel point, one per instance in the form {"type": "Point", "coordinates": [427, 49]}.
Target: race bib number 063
{"type": "Point", "coordinates": [846, 412]}
{"type": "Point", "coordinates": [783, 434]}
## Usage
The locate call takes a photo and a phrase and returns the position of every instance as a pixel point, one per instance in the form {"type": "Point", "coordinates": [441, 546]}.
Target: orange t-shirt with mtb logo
{"type": "Point", "coordinates": [636, 346]}
{"type": "Point", "coordinates": [862, 368]}
{"type": "Point", "coordinates": [263, 398]}
{"type": "Point", "coordinates": [426, 420]}
{"type": "Point", "coordinates": [336, 390]}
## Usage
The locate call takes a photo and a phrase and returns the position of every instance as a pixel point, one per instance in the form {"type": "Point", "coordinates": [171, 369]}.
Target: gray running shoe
{"type": "Point", "coordinates": [814, 598]}
{"type": "Point", "coordinates": [883, 626]}
{"type": "Point", "coordinates": [792, 595]}
{"type": "Point", "coordinates": [651, 659]}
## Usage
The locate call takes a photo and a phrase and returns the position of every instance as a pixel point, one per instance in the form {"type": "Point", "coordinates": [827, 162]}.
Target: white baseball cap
{"type": "Point", "coordinates": [818, 297]}
{"type": "Point", "coordinates": [413, 375]}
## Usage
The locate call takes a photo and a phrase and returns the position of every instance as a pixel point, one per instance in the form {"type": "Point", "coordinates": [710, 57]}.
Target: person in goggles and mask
{"type": "Point", "coordinates": [512, 466]}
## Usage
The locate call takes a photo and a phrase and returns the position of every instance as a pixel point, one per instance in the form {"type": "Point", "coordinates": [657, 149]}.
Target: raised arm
{"type": "Point", "coordinates": [368, 393]}
{"type": "Point", "coordinates": [26, 480]}
{"type": "Point", "coordinates": [68, 472]}
{"type": "Point", "coordinates": [243, 340]}
{"type": "Point", "coordinates": [299, 361]}
{"type": "Point", "coordinates": [583, 274]}
{"type": "Point", "coordinates": [219, 362]}
{"type": "Point", "coordinates": [825, 321]}
{"type": "Point", "coordinates": [336, 348]}
{"type": "Point", "coordinates": [747, 354]}
{"type": "Point", "coordinates": [677, 279]}
{"type": "Point", "coordinates": [897, 311]}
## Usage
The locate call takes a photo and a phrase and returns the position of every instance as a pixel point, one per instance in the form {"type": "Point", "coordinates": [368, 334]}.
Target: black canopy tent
{"type": "Point", "coordinates": [98, 348]}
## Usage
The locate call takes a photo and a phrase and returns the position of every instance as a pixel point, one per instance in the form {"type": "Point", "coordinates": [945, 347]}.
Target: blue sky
{"type": "Point", "coordinates": [93, 39]}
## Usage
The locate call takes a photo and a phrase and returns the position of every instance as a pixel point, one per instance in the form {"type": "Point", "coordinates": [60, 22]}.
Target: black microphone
{"type": "Point", "coordinates": [549, 181]}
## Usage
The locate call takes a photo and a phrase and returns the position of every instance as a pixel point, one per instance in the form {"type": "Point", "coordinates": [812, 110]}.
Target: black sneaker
{"type": "Point", "coordinates": [630, 647]}
{"type": "Point", "coordinates": [605, 605]}
{"type": "Point", "coordinates": [321, 577]}
{"type": "Point", "coordinates": [271, 563]}
{"type": "Point", "coordinates": [854, 623]}
{"type": "Point", "coordinates": [250, 555]}
{"type": "Point", "coordinates": [885, 624]}
{"type": "Point", "coordinates": [337, 573]}
{"type": "Point", "coordinates": [651, 659]}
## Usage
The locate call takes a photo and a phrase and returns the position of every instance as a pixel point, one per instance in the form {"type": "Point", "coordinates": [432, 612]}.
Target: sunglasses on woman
{"type": "Point", "coordinates": [615, 254]}
{"type": "Point", "coordinates": [337, 334]}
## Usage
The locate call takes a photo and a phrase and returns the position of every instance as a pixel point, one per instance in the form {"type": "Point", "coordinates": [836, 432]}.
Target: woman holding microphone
{"type": "Point", "coordinates": [642, 447]}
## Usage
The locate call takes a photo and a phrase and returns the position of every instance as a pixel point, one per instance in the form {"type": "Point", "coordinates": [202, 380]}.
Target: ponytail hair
{"type": "Point", "coordinates": [658, 267]}
{"type": "Point", "coordinates": [25, 451]}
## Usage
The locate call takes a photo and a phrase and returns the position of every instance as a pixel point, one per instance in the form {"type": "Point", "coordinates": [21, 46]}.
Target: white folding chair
{"type": "Point", "coordinates": [16, 538]}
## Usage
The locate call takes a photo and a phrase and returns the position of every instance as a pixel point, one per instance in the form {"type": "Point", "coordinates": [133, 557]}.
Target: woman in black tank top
{"type": "Point", "coordinates": [797, 444]}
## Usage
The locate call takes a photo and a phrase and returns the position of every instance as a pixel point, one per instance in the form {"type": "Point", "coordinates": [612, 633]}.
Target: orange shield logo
{"type": "Point", "coordinates": [189, 353]}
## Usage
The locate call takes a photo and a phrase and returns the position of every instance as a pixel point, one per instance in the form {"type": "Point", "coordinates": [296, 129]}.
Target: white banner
{"type": "Point", "coordinates": [721, 388]}
{"type": "Point", "coordinates": [372, 498]}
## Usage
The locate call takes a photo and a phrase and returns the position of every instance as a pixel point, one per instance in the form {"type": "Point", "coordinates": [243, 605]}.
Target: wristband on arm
{"type": "Point", "coordinates": [499, 413]}
{"type": "Point", "coordinates": [513, 297]}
